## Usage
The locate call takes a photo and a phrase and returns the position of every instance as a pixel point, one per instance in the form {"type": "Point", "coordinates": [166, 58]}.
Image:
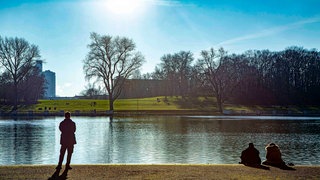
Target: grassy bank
{"type": "Point", "coordinates": [139, 104]}
{"type": "Point", "coordinates": [156, 105]}
{"type": "Point", "coordinates": [159, 172]}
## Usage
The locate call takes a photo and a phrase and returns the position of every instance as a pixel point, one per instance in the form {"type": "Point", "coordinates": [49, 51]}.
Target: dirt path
{"type": "Point", "coordinates": [157, 172]}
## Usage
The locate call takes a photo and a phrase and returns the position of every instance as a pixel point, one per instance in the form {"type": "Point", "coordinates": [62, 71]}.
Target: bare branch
{"type": "Point", "coordinates": [111, 60]}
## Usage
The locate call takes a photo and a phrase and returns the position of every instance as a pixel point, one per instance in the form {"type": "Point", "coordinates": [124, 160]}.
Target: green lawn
{"type": "Point", "coordinates": [153, 103]}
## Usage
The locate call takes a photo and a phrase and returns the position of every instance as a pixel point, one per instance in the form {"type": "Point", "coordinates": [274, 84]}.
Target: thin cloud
{"type": "Point", "coordinates": [63, 89]}
{"type": "Point", "coordinates": [168, 3]}
{"type": "Point", "coordinates": [271, 31]}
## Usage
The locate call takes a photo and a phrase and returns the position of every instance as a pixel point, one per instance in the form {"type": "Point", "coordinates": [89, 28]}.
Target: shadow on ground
{"type": "Point", "coordinates": [56, 175]}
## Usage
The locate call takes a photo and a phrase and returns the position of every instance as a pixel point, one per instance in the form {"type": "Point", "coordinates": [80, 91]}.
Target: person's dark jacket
{"type": "Point", "coordinates": [67, 128]}
{"type": "Point", "coordinates": [273, 154]}
{"type": "Point", "coordinates": [250, 156]}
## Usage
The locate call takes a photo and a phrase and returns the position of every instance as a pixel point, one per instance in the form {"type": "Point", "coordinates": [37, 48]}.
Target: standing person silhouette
{"type": "Point", "coordinates": [67, 139]}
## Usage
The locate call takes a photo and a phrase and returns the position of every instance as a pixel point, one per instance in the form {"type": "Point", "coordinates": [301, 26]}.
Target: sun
{"type": "Point", "coordinates": [123, 7]}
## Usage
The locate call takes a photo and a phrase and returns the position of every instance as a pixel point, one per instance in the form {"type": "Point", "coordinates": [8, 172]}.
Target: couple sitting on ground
{"type": "Point", "coordinates": [250, 156]}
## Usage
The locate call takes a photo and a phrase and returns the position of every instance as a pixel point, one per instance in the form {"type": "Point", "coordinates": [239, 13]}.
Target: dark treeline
{"type": "Point", "coordinates": [20, 79]}
{"type": "Point", "coordinates": [256, 77]}
{"type": "Point", "coordinates": [30, 89]}
{"type": "Point", "coordinates": [289, 77]}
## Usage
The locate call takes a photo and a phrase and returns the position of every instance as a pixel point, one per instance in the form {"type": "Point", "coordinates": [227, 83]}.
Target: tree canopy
{"type": "Point", "coordinates": [18, 58]}
{"type": "Point", "coordinates": [111, 60]}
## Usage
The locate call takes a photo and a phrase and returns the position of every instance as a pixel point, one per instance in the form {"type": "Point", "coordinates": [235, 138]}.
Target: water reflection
{"type": "Point", "coordinates": [26, 141]}
{"type": "Point", "coordinates": [165, 139]}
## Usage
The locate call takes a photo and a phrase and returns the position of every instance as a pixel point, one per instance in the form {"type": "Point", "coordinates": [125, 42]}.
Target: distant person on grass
{"type": "Point", "coordinates": [250, 156]}
{"type": "Point", "coordinates": [67, 139]}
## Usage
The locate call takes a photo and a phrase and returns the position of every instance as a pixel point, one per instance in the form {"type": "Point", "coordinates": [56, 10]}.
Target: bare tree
{"type": "Point", "coordinates": [91, 91]}
{"type": "Point", "coordinates": [176, 69]}
{"type": "Point", "coordinates": [111, 60]}
{"type": "Point", "coordinates": [136, 74]}
{"type": "Point", "coordinates": [17, 56]}
{"type": "Point", "coordinates": [32, 87]}
{"type": "Point", "coordinates": [183, 62]}
{"type": "Point", "coordinates": [218, 74]}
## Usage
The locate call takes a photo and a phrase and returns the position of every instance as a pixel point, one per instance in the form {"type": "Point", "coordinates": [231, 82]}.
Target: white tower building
{"type": "Point", "coordinates": [50, 84]}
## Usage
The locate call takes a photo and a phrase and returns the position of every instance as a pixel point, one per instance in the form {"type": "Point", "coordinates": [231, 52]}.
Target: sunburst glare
{"type": "Point", "coordinates": [126, 7]}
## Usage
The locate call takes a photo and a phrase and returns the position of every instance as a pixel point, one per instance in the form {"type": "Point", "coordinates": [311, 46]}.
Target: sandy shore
{"type": "Point", "coordinates": [188, 171]}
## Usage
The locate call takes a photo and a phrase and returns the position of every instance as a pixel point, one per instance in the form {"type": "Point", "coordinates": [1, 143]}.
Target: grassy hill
{"type": "Point", "coordinates": [139, 104]}
{"type": "Point", "coordinates": [156, 105]}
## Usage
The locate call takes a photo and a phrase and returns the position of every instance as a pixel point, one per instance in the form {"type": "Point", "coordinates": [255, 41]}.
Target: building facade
{"type": "Point", "coordinates": [137, 88]}
{"type": "Point", "coordinates": [50, 81]}
{"type": "Point", "coordinates": [39, 65]}
{"type": "Point", "coordinates": [50, 84]}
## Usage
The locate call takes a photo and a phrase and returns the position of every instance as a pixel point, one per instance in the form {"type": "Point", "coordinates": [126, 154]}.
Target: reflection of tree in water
{"type": "Point", "coordinates": [28, 142]}
{"type": "Point", "coordinates": [175, 140]}
{"type": "Point", "coordinates": [186, 141]}
{"type": "Point", "coordinates": [262, 132]}
{"type": "Point", "coordinates": [94, 140]}
{"type": "Point", "coordinates": [137, 140]}
{"type": "Point", "coordinates": [109, 144]}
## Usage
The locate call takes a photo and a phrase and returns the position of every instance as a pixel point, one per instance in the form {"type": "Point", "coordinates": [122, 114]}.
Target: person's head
{"type": "Point", "coordinates": [251, 145]}
{"type": "Point", "coordinates": [272, 146]}
{"type": "Point", "coordinates": [67, 115]}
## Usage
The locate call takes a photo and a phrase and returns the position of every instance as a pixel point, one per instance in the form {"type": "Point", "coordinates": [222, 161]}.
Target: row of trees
{"type": "Point", "coordinates": [288, 77]}
{"type": "Point", "coordinates": [213, 74]}
{"type": "Point", "coordinates": [291, 76]}
{"type": "Point", "coordinates": [20, 80]}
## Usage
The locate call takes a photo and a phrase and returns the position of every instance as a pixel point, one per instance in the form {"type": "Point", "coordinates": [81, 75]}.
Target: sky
{"type": "Point", "coordinates": [61, 28]}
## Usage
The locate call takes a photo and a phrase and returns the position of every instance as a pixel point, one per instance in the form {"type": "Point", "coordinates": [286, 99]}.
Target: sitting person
{"type": "Point", "coordinates": [273, 156]}
{"type": "Point", "coordinates": [250, 156]}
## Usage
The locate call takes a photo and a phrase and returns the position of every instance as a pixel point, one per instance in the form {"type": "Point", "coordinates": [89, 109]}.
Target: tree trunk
{"type": "Point", "coordinates": [111, 100]}
{"type": "Point", "coordinates": [15, 100]}
{"type": "Point", "coordinates": [219, 104]}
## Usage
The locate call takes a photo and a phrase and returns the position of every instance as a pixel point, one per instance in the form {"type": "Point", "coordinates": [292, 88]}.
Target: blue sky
{"type": "Point", "coordinates": [61, 28]}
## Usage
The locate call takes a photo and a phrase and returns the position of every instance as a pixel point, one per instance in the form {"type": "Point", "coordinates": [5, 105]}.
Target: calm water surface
{"type": "Point", "coordinates": [164, 139]}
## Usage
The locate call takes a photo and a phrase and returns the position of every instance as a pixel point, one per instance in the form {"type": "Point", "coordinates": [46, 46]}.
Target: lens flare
{"type": "Point", "coordinates": [126, 6]}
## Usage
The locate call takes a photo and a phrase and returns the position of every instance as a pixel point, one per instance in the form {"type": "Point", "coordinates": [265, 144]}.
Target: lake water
{"type": "Point", "coordinates": [160, 139]}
